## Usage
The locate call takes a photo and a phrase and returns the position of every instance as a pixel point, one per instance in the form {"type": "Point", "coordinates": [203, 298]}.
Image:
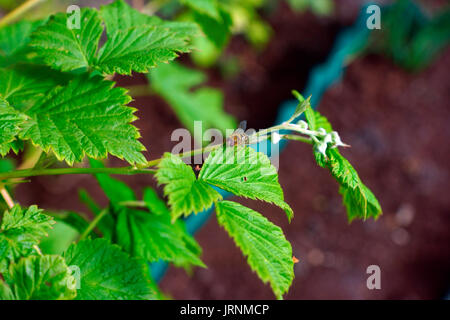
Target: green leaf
{"type": "Point", "coordinates": [269, 253]}
{"type": "Point", "coordinates": [139, 49]}
{"type": "Point", "coordinates": [121, 16]}
{"type": "Point", "coordinates": [154, 203]}
{"type": "Point", "coordinates": [358, 199]}
{"type": "Point", "coordinates": [10, 120]}
{"type": "Point", "coordinates": [316, 120]}
{"type": "Point", "coordinates": [23, 86]}
{"type": "Point", "coordinates": [108, 273]}
{"type": "Point", "coordinates": [21, 229]}
{"type": "Point", "coordinates": [115, 190]}
{"type": "Point", "coordinates": [208, 7]}
{"type": "Point", "coordinates": [303, 105]}
{"type": "Point", "coordinates": [137, 42]}
{"type": "Point", "coordinates": [39, 278]}
{"type": "Point", "coordinates": [244, 172]}
{"type": "Point", "coordinates": [217, 30]}
{"type": "Point", "coordinates": [68, 49]}
{"type": "Point", "coordinates": [186, 193]}
{"type": "Point", "coordinates": [87, 117]}
{"type": "Point", "coordinates": [175, 84]}
{"type": "Point", "coordinates": [14, 39]}
{"type": "Point", "coordinates": [153, 237]}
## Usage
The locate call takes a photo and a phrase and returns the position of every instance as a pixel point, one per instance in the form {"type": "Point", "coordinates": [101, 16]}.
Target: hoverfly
{"type": "Point", "coordinates": [238, 137]}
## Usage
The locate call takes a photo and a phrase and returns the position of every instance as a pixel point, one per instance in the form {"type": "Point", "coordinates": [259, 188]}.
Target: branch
{"type": "Point", "coordinates": [18, 12]}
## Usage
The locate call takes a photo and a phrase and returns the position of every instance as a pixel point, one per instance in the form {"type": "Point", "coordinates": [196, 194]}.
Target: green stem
{"type": "Point", "coordinates": [18, 12]}
{"type": "Point", "coordinates": [93, 224]}
{"type": "Point", "coordinates": [136, 204]}
{"type": "Point", "coordinates": [60, 171]}
{"type": "Point", "coordinates": [297, 138]}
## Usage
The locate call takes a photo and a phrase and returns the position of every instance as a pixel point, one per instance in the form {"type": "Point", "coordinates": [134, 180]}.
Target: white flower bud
{"type": "Point", "coordinates": [328, 138]}
{"type": "Point", "coordinates": [322, 148]}
{"type": "Point", "coordinates": [302, 124]}
{"type": "Point", "coordinates": [276, 137]}
{"type": "Point", "coordinates": [322, 131]}
{"type": "Point", "coordinates": [337, 140]}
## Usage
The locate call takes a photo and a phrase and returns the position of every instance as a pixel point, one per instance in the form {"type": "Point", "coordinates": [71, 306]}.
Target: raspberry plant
{"type": "Point", "coordinates": [58, 103]}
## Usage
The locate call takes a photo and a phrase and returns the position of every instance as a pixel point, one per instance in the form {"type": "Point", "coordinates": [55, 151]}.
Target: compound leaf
{"type": "Point", "coordinates": [108, 273]}
{"type": "Point", "coordinates": [38, 278]}
{"type": "Point", "coordinates": [269, 253]}
{"type": "Point", "coordinates": [21, 229]}
{"type": "Point", "coordinates": [244, 172]}
{"type": "Point", "coordinates": [186, 193]}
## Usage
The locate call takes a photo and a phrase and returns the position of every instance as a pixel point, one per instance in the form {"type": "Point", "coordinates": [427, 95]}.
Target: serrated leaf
{"type": "Point", "coordinates": [69, 49]}
{"type": "Point", "coordinates": [269, 253]}
{"type": "Point", "coordinates": [121, 16]}
{"type": "Point", "coordinates": [316, 120]}
{"type": "Point", "coordinates": [186, 193]}
{"type": "Point", "coordinates": [303, 105]}
{"type": "Point", "coordinates": [154, 237]}
{"type": "Point", "coordinates": [209, 7]}
{"type": "Point", "coordinates": [137, 42]}
{"type": "Point", "coordinates": [39, 278]}
{"type": "Point", "coordinates": [175, 83]}
{"type": "Point", "coordinates": [10, 121]}
{"type": "Point", "coordinates": [139, 49]}
{"type": "Point", "coordinates": [244, 172]}
{"type": "Point", "coordinates": [24, 85]}
{"type": "Point", "coordinates": [359, 201]}
{"type": "Point", "coordinates": [86, 117]}
{"type": "Point", "coordinates": [21, 229]}
{"type": "Point", "coordinates": [108, 273]}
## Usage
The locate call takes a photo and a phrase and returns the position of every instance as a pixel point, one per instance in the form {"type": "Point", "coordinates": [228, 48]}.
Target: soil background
{"type": "Point", "coordinates": [397, 124]}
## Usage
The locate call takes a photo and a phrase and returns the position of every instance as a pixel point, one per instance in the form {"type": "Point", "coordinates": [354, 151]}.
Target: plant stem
{"type": "Point", "coordinates": [9, 201]}
{"type": "Point", "coordinates": [297, 138]}
{"type": "Point", "coordinates": [60, 171]}
{"type": "Point", "coordinates": [136, 204]}
{"type": "Point", "coordinates": [18, 12]}
{"type": "Point", "coordinates": [93, 224]}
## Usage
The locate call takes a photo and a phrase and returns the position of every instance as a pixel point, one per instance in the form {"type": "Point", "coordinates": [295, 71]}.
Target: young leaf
{"type": "Point", "coordinates": [244, 172]}
{"type": "Point", "coordinates": [175, 83]}
{"type": "Point", "coordinates": [68, 49]}
{"type": "Point", "coordinates": [186, 193]}
{"type": "Point", "coordinates": [359, 201]}
{"type": "Point", "coordinates": [269, 253]}
{"type": "Point", "coordinates": [154, 237]}
{"type": "Point", "coordinates": [39, 278]}
{"type": "Point", "coordinates": [21, 229]}
{"type": "Point", "coordinates": [87, 117]}
{"type": "Point", "coordinates": [108, 273]}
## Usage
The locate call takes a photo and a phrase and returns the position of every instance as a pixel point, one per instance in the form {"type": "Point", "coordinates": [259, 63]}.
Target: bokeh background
{"type": "Point", "coordinates": [394, 117]}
